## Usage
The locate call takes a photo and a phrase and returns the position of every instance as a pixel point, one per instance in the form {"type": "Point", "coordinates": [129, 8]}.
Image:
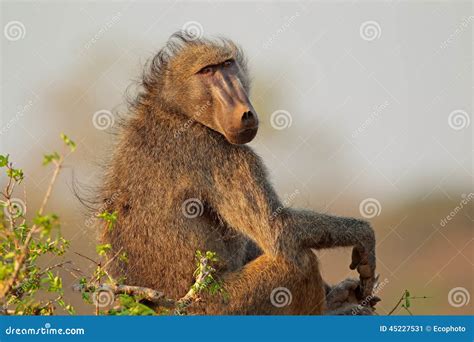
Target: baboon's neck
{"type": "Point", "coordinates": [161, 126]}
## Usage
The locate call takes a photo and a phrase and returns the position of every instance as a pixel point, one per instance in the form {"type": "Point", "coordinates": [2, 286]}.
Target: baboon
{"type": "Point", "coordinates": [183, 180]}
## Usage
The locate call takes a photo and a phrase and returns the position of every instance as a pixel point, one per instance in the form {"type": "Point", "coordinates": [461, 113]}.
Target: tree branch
{"type": "Point", "coordinates": [153, 296]}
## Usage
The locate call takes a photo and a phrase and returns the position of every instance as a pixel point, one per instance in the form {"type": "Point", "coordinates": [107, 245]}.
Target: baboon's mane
{"type": "Point", "coordinates": [179, 50]}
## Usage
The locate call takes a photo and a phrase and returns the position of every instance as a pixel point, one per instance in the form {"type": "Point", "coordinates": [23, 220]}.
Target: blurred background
{"type": "Point", "coordinates": [365, 108]}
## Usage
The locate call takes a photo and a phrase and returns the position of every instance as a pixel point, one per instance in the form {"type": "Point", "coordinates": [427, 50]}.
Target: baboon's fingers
{"type": "Point", "coordinates": [365, 272]}
{"type": "Point", "coordinates": [359, 257]}
{"type": "Point", "coordinates": [366, 286]}
{"type": "Point", "coordinates": [355, 258]}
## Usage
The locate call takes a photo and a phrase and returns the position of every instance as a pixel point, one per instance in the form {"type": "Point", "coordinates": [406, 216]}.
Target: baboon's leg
{"type": "Point", "coordinates": [271, 286]}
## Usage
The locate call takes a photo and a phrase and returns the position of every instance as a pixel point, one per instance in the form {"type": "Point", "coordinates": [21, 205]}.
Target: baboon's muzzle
{"type": "Point", "coordinates": [236, 116]}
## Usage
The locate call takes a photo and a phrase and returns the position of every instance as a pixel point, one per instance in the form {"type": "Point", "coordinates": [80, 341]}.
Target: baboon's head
{"type": "Point", "coordinates": [206, 80]}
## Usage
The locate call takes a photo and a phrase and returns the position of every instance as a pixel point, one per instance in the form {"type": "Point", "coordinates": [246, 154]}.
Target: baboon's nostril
{"type": "Point", "coordinates": [247, 117]}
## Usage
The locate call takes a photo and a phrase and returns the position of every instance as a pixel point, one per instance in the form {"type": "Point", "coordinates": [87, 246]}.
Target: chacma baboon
{"type": "Point", "coordinates": [184, 180]}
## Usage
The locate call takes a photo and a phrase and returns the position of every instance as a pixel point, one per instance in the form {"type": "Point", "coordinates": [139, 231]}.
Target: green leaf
{"type": "Point", "coordinates": [110, 218]}
{"type": "Point", "coordinates": [9, 255]}
{"type": "Point", "coordinates": [47, 223]}
{"type": "Point", "coordinates": [103, 249]}
{"type": "Point", "coordinates": [15, 174]}
{"type": "Point", "coordinates": [68, 142]}
{"type": "Point", "coordinates": [124, 257]}
{"type": "Point", "coordinates": [70, 309]}
{"type": "Point", "coordinates": [3, 160]}
{"type": "Point", "coordinates": [407, 299]}
{"type": "Point", "coordinates": [48, 158]}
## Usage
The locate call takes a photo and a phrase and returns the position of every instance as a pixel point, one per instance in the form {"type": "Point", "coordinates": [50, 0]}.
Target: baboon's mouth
{"type": "Point", "coordinates": [242, 136]}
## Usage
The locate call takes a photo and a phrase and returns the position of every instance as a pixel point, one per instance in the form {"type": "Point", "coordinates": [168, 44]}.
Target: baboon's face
{"type": "Point", "coordinates": [234, 115]}
{"type": "Point", "coordinates": [215, 94]}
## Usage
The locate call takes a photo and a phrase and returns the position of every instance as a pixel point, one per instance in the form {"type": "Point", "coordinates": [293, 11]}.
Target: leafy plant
{"type": "Point", "coordinates": [24, 242]}
{"type": "Point", "coordinates": [405, 302]}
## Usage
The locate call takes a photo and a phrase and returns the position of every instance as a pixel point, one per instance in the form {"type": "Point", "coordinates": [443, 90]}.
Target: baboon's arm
{"type": "Point", "coordinates": [245, 199]}
{"type": "Point", "coordinates": [320, 231]}
{"type": "Point", "coordinates": [325, 231]}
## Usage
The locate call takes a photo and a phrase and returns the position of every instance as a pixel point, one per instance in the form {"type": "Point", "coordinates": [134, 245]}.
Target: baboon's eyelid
{"type": "Point", "coordinates": [206, 69]}
{"type": "Point", "coordinates": [227, 62]}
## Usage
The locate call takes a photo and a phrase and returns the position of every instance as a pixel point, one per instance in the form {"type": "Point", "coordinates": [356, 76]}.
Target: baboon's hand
{"type": "Point", "coordinates": [363, 258]}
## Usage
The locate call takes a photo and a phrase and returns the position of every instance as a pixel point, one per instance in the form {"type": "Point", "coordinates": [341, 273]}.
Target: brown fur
{"type": "Point", "coordinates": [177, 145]}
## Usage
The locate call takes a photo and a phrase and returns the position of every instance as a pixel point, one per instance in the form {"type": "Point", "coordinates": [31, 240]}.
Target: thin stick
{"type": "Point", "coordinates": [151, 295]}
{"type": "Point", "coordinates": [51, 185]}
{"type": "Point", "coordinates": [398, 303]}
{"type": "Point", "coordinates": [86, 257]}
{"type": "Point", "coordinates": [183, 303]}
{"type": "Point", "coordinates": [402, 298]}
{"type": "Point", "coordinates": [24, 251]}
